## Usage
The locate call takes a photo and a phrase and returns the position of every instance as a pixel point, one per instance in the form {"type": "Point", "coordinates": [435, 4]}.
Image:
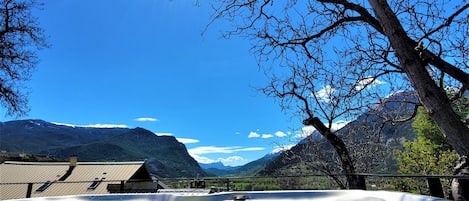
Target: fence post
{"type": "Point", "coordinates": [434, 185]}
{"type": "Point", "coordinates": [227, 184]}
{"type": "Point", "coordinates": [157, 183]}
{"type": "Point", "coordinates": [362, 181]}
{"type": "Point", "coordinates": [30, 190]}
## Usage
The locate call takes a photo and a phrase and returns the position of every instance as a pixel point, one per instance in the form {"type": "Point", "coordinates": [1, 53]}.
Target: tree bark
{"type": "Point", "coordinates": [459, 186]}
{"type": "Point", "coordinates": [354, 181]}
{"type": "Point", "coordinates": [432, 97]}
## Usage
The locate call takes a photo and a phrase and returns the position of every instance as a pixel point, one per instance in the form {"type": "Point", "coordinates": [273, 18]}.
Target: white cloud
{"type": "Point", "coordinates": [394, 93]}
{"type": "Point", "coordinates": [64, 124]}
{"type": "Point", "coordinates": [146, 119]}
{"type": "Point", "coordinates": [225, 150]}
{"type": "Point", "coordinates": [202, 159]}
{"type": "Point", "coordinates": [338, 125]}
{"type": "Point", "coordinates": [197, 153]}
{"type": "Point", "coordinates": [325, 94]}
{"type": "Point", "coordinates": [305, 132]}
{"type": "Point", "coordinates": [280, 134]}
{"type": "Point", "coordinates": [308, 130]}
{"type": "Point", "coordinates": [187, 140]}
{"type": "Point", "coordinates": [229, 161]}
{"type": "Point", "coordinates": [250, 149]}
{"type": "Point", "coordinates": [106, 126]}
{"type": "Point", "coordinates": [253, 134]}
{"type": "Point", "coordinates": [237, 132]}
{"type": "Point", "coordinates": [93, 125]}
{"type": "Point", "coordinates": [165, 134]}
{"type": "Point", "coordinates": [232, 160]}
{"type": "Point", "coordinates": [368, 82]}
{"type": "Point", "coordinates": [266, 136]}
{"type": "Point", "coordinates": [282, 148]}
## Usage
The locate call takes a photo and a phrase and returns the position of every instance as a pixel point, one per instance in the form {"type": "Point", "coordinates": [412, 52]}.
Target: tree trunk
{"type": "Point", "coordinates": [459, 186]}
{"type": "Point", "coordinates": [432, 97]}
{"type": "Point", "coordinates": [354, 181]}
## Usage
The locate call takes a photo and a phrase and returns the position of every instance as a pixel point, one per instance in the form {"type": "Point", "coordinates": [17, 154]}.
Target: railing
{"type": "Point", "coordinates": [434, 185]}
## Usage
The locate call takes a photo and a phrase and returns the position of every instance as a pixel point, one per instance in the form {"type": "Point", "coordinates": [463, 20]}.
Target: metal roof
{"type": "Point", "coordinates": [15, 176]}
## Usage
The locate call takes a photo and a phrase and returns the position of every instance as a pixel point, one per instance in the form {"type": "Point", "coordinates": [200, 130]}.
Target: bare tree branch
{"type": "Point", "coordinates": [20, 38]}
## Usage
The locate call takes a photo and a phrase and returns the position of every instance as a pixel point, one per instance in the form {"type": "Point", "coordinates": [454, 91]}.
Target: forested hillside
{"type": "Point", "coordinates": [165, 156]}
{"type": "Point", "coordinates": [371, 140]}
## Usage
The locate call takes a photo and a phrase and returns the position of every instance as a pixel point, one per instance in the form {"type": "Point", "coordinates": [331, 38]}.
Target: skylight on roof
{"type": "Point", "coordinates": [44, 186]}
{"type": "Point", "coordinates": [95, 184]}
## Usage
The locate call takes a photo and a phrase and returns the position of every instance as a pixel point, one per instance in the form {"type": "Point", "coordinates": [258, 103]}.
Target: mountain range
{"type": "Point", "coordinates": [370, 139]}
{"type": "Point", "coordinates": [166, 157]}
{"type": "Point", "coordinates": [249, 169]}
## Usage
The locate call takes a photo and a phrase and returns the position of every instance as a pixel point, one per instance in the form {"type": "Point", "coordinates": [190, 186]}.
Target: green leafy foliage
{"type": "Point", "coordinates": [461, 107]}
{"type": "Point", "coordinates": [429, 154]}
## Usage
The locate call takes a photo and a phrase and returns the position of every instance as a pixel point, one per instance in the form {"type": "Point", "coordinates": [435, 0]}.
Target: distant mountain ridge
{"type": "Point", "coordinates": [370, 140]}
{"type": "Point", "coordinates": [249, 169]}
{"type": "Point", "coordinates": [215, 165]}
{"type": "Point", "coordinates": [165, 156]}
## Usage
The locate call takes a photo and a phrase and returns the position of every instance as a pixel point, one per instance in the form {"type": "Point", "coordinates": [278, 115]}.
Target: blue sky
{"type": "Point", "coordinates": [145, 64]}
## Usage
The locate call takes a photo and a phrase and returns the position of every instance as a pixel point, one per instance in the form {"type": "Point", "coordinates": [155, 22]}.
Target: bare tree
{"type": "Point", "coordinates": [363, 148]}
{"type": "Point", "coordinates": [347, 49]}
{"type": "Point", "coordinates": [20, 38]}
